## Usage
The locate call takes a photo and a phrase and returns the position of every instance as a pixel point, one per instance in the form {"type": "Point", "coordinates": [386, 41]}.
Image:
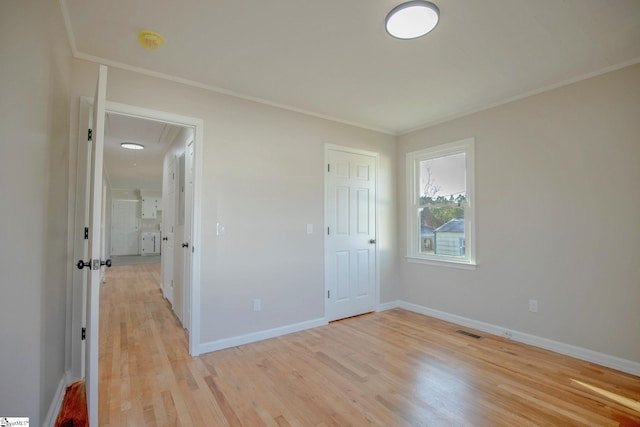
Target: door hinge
{"type": "Point", "coordinates": [86, 233]}
{"type": "Point", "coordinates": [328, 231]}
{"type": "Point", "coordinates": [328, 294]}
{"type": "Point", "coordinates": [89, 135]}
{"type": "Point", "coordinates": [84, 333]}
{"type": "Point", "coordinates": [328, 167]}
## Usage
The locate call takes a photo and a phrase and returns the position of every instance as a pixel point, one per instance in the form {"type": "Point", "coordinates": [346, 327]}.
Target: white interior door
{"type": "Point", "coordinates": [184, 236]}
{"type": "Point", "coordinates": [180, 242]}
{"type": "Point", "coordinates": [350, 270]}
{"type": "Point", "coordinates": [81, 244]}
{"type": "Point", "coordinates": [188, 234]}
{"type": "Point", "coordinates": [125, 227]}
{"type": "Point", "coordinates": [168, 225]}
{"type": "Point", "coordinates": [95, 246]}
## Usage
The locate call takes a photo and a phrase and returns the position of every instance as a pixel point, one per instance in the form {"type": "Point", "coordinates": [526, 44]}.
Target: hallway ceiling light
{"type": "Point", "coordinates": [132, 146]}
{"type": "Point", "coordinates": [412, 19]}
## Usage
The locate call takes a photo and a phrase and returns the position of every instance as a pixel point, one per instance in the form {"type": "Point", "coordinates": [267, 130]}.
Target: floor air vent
{"type": "Point", "coordinates": [469, 334]}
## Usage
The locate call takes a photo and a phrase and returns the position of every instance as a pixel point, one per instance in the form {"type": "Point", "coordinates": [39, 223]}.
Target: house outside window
{"type": "Point", "coordinates": [440, 205]}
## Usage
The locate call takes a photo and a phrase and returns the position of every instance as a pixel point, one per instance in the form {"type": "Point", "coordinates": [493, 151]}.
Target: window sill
{"type": "Point", "coordinates": [462, 265]}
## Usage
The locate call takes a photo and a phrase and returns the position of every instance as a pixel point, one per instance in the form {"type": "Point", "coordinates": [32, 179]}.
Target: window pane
{"type": "Point", "coordinates": [442, 200]}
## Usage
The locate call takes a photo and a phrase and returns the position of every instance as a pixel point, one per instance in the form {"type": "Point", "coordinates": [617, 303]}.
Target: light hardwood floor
{"type": "Point", "coordinates": [394, 368]}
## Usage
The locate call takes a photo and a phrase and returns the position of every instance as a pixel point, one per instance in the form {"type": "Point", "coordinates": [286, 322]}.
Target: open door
{"type": "Point", "coordinates": [188, 234]}
{"type": "Point", "coordinates": [182, 292]}
{"type": "Point", "coordinates": [95, 263]}
{"type": "Point", "coordinates": [168, 225]}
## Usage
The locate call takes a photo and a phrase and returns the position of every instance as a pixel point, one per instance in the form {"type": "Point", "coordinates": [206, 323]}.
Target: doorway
{"type": "Point", "coordinates": [82, 198]}
{"type": "Point", "coordinates": [167, 206]}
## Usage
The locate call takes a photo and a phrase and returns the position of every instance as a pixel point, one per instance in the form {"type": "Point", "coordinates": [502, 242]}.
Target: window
{"type": "Point", "coordinates": [440, 205]}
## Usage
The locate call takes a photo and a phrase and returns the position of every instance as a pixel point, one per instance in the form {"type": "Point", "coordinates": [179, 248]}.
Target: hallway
{"type": "Point", "coordinates": [143, 352]}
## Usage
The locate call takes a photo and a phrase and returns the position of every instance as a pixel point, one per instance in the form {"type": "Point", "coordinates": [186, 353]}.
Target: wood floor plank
{"type": "Point", "coordinates": [394, 368]}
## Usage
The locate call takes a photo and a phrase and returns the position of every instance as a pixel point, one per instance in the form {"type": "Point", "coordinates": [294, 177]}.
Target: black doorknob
{"type": "Point", "coordinates": [81, 264]}
{"type": "Point", "coordinates": [107, 263]}
{"type": "Point", "coordinates": [165, 238]}
{"type": "Point", "coordinates": [185, 245]}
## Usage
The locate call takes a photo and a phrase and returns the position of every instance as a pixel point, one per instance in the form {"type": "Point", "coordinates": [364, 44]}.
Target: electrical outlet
{"type": "Point", "coordinates": [219, 229]}
{"type": "Point", "coordinates": [257, 304]}
{"type": "Point", "coordinates": [533, 305]}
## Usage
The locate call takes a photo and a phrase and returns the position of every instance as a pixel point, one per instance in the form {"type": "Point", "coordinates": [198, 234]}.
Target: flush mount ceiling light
{"type": "Point", "coordinates": [132, 146]}
{"type": "Point", "coordinates": [412, 19]}
{"type": "Point", "coordinates": [150, 40]}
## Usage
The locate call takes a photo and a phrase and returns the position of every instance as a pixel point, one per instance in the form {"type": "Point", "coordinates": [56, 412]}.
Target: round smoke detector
{"type": "Point", "coordinates": [150, 40]}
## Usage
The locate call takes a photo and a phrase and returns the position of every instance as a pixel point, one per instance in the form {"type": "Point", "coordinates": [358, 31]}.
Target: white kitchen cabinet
{"type": "Point", "coordinates": [150, 243]}
{"type": "Point", "coordinates": [151, 206]}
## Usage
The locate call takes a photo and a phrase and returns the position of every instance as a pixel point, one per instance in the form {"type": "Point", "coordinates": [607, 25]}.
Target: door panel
{"type": "Point", "coordinates": [351, 221]}
{"type": "Point", "coordinates": [363, 202]}
{"type": "Point", "coordinates": [343, 206]}
{"type": "Point", "coordinates": [363, 279]}
{"type": "Point", "coordinates": [342, 275]}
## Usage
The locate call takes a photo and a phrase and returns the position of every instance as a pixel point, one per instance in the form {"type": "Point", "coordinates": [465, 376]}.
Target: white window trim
{"type": "Point", "coordinates": [413, 254]}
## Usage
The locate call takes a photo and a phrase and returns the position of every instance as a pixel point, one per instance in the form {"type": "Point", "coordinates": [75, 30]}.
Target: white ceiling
{"type": "Point", "coordinates": [136, 169]}
{"type": "Point", "coordinates": [332, 58]}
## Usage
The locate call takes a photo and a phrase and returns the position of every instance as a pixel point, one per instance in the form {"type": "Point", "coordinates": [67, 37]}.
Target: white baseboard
{"type": "Point", "coordinates": [260, 335]}
{"type": "Point", "coordinates": [388, 306]}
{"type": "Point", "coordinates": [56, 403]}
{"type": "Point", "coordinates": [609, 361]}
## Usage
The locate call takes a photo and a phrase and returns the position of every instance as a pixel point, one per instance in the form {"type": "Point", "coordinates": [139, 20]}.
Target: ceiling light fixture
{"type": "Point", "coordinates": [132, 146]}
{"type": "Point", "coordinates": [412, 19]}
{"type": "Point", "coordinates": [150, 40]}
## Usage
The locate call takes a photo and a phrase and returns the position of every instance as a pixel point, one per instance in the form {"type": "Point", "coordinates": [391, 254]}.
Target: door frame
{"type": "Point", "coordinates": [198, 125]}
{"type": "Point", "coordinates": [75, 320]}
{"type": "Point", "coordinates": [376, 156]}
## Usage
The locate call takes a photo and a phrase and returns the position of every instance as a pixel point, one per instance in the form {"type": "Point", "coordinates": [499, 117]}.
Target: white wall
{"type": "Point", "coordinates": [34, 125]}
{"type": "Point", "coordinates": [558, 211]}
{"type": "Point", "coordinates": [263, 177]}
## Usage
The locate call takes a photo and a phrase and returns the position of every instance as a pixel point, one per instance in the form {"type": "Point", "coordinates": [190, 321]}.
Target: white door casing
{"type": "Point", "coordinates": [198, 131]}
{"type": "Point", "coordinates": [95, 247]}
{"type": "Point", "coordinates": [350, 239]}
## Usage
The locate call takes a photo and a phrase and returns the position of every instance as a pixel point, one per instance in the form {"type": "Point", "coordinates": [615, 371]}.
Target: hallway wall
{"type": "Point", "coordinates": [34, 129]}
